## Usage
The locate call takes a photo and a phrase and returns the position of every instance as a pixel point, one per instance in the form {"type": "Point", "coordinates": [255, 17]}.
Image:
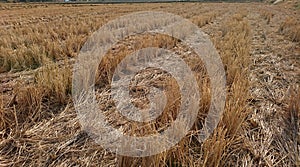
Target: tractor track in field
{"type": "Point", "coordinates": [274, 72]}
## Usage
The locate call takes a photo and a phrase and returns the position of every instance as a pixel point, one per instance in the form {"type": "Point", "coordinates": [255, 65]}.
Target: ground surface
{"type": "Point", "coordinates": [258, 44]}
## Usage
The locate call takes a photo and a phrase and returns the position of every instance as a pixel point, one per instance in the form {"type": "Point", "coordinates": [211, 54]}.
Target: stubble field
{"type": "Point", "coordinates": [259, 45]}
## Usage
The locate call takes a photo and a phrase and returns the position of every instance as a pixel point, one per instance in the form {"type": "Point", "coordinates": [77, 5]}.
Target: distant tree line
{"type": "Point", "coordinates": [129, 1]}
{"type": "Point", "coordinates": [27, 0]}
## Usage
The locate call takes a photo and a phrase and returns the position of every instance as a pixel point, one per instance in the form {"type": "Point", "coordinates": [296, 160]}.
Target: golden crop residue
{"type": "Point", "coordinates": [39, 44]}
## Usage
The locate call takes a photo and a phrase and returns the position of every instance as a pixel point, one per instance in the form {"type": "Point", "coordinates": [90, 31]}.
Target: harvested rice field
{"type": "Point", "coordinates": [258, 45]}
